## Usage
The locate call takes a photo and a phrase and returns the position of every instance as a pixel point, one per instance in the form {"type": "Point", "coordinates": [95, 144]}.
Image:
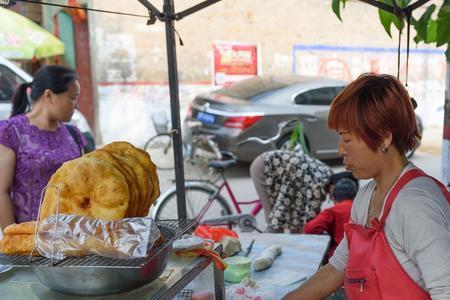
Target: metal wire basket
{"type": "Point", "coordinates": [160, 122]}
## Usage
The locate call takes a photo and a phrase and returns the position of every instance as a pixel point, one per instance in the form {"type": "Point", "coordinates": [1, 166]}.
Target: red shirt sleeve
{"type": "Point", "coordinates": [321, 224]}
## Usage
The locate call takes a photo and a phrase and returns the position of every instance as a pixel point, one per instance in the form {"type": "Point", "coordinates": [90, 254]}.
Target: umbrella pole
{"type": "Point", "coordinates": [168, 16]}
{"type": "Point", "coordinates": [169, 10]}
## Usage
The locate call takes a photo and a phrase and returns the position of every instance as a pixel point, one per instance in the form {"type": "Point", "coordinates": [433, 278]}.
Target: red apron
{"type": "Point", "coordinates": [373, 271]}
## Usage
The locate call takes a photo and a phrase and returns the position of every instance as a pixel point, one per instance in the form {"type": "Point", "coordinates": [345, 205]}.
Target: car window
{"type": "Point", "coordinates": [320, 96]}
{"type": "Point", "coordinates": [8, 83]}
{"type": "Point", "coordinates": [252, 89]}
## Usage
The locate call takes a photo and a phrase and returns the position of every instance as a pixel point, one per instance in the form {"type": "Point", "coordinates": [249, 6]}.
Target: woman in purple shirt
{"type": "Point", "coordinates": [35, 143]}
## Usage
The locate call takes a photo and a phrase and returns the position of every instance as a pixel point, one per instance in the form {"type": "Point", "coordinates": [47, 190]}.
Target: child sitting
{"type": "Point", "coordinates": [331, 221]}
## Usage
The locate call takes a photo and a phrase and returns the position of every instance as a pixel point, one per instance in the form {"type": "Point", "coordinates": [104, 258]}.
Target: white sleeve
{"type": "Point", "coordinates": [340, 256]}
{"type": "Point", "coordinates": [424, 231]}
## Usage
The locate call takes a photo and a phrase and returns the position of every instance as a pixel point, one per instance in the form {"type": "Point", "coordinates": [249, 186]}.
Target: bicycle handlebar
{"type": "Point", "coordinates": [270, 140]}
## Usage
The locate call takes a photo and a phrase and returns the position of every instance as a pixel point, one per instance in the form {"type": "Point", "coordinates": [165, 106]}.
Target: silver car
{"type": "Point", "coordinates": [254, 107]}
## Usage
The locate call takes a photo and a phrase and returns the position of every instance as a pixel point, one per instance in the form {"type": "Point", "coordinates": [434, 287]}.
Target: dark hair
{"type": "Point", "coordinates": [373, 106]}
{"type": "Point", "coordinates": [344, 189]}
{"type": "Point", "coordinates": [341, 175]}
{"type": "Point", "coordinates": [52, 77]}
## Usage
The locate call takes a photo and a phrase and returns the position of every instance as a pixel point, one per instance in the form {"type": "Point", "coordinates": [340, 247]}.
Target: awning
{"type": "Point", "coordinates": [23, 39]}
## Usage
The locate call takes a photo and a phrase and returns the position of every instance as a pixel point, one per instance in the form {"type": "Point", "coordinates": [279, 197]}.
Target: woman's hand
{"type": "Point", "coordinates": [323, 283]}
{"type": "Point", "coordinates": [7, 167]}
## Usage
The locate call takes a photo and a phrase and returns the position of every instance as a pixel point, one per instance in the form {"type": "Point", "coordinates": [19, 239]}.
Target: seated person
{"type": "Point", "coordinates": [331, 220]}
{"type": "Point", "coordinates": [291, 186]}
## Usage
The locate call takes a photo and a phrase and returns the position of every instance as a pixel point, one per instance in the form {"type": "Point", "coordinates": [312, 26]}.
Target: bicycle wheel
{"type": "Point", "coordinates": [197, 197]}
{"type": "Point", "coordinates": [160, 148]}
{"type": "Point", "coordinates": [203, 150]}
{"type": "Point", "coordinates": [198, 169]}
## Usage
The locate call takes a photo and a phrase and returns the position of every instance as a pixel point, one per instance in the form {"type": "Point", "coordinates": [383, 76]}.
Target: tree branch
{"type": "Point", "coordinates": [417, 4]}
{"type": "Point", "coordinates": [193, 9]}
{"type": "Point", "coordinates": [380, 5]}
{"type": "Point", "coordinates": [395, 10]}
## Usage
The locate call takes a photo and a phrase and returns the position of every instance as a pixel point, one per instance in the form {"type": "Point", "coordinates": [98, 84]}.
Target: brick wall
{"type": "Point", "coordinates": [131, 51]}
{"type": "Point", "coordinates": [131, 65]}
{"type": "Point", "coordinates": [30, 10]}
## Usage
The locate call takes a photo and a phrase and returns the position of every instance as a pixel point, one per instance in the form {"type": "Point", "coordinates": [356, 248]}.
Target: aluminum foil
{"type": "Point", "coordinates": [61, 235]}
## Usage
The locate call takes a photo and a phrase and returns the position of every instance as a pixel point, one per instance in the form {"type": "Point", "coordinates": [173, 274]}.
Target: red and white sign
{"type": "Point", "coordinates": [234, 62]}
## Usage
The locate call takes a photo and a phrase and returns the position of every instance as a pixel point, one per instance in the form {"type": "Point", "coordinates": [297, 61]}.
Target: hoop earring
{"type": "Point", "coordinates": [384, 150]}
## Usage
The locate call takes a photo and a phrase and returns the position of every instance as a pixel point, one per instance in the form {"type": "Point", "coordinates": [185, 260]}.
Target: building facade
{"type": "Point", "coordinates": [292, 37]}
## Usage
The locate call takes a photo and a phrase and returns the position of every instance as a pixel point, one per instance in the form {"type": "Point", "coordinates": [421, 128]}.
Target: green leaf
{"type": "Point", "coordinates": [443, 26]}
{"type": "Point", "coordinates": [444, 11]}
{"type": "Point", "coordinates": [298, 137]}
{"type": "Point", "coordinates": [418, 38]}
{"type": "Point", "coordinates": [432, 32]}
{"type": "Point", "coordinates": [403, 3]}
{"type": "Point", "coordinates": [336, 6]}
{"type": "Point", "coordinates": [422, 25]}
{"type": "Point", "coordinates": [294, 138]}
{"type": "Point", "coordinates": [387, 18]}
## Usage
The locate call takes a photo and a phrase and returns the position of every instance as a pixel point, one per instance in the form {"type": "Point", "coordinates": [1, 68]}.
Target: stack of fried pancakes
{"type": "Point", "coordinates": [18, 238]}
{"type": "Point", "coordinates": [114, 182]}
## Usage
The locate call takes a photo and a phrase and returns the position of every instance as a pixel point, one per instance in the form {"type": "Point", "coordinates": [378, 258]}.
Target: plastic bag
{"type": "Point", "coordinates": [191, 246]}
{"type": "Point", "coordinates": [69, 235]}
{"type": "Point", "coordinates": [214, 233]}
{"type": "Point", "coordinates": [241, 292]}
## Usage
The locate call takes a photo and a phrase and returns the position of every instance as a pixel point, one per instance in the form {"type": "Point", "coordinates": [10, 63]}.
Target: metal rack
{"type": "Point", "coordinates": [185, 294]}
{"type": "Point", "coordinates": [171, 229]}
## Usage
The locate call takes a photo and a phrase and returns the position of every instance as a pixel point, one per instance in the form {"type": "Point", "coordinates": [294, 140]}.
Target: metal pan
{"type": "Point", "coordinates": [97, 275]}
{"type": "Point", "coordinates": [97, 280]}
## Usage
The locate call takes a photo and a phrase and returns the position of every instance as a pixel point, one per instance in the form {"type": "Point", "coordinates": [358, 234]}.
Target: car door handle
{"type": "Point", "coordinates": [311, 119]}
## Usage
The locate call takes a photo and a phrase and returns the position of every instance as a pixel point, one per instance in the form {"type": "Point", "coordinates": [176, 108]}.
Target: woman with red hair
{"type": "Point", "coordinates": [396, 245]}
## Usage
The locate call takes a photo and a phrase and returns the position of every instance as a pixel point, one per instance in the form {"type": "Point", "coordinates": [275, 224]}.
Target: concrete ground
{"type": "Point", "coordinates": [432, 140]}
{"type": "Point", "coordinates": [426, 157]}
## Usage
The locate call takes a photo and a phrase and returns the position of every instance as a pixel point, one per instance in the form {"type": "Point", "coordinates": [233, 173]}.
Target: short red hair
{"type": "Point", "coordinates": [372, 106]}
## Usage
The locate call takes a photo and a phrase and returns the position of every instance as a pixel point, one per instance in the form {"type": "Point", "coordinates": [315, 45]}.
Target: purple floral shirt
{"type": "Point", "coordinates": [39, 154]}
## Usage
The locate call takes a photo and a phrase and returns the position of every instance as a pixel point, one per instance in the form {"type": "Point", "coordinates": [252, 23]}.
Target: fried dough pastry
{"type": "Point", "coordinates": [21, 244]}
{"type": "Point", "coordinates": [136, 209]}
{"type": "Point", "coordinates": [21, 228]}
{"type": "Point", "coordinates": [128, 172]}
{"type": "Point", "coordinates": [154, 181]}
{"type": "Point", "coordinates": [128, 150]}
{"type": "Point", "coordinates": [89, 186]}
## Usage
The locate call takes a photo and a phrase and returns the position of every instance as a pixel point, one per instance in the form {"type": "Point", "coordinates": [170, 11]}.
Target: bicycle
{"type": "Point", "coordinates": [204, 199]}
{"type": "Point", "coordinates": [196, 155]}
